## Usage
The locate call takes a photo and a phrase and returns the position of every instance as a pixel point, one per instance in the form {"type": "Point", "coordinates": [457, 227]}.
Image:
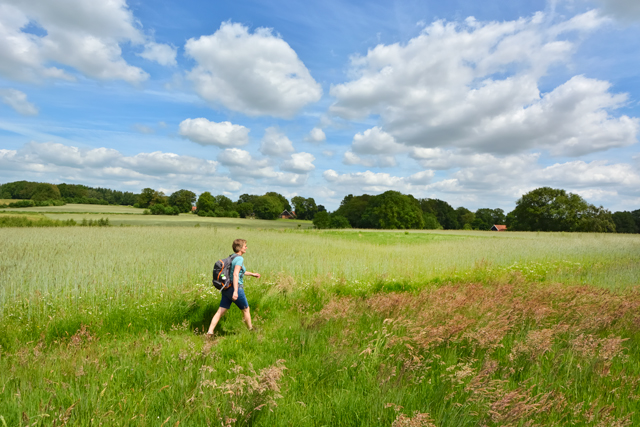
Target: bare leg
{"type": "Point", "coordinates": [246, 314]}
{"type": "Point", "coordinates": [216, 318]}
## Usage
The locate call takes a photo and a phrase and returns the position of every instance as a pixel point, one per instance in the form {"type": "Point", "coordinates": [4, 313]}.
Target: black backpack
{"type": "Point", "coordinates": [222, 273]}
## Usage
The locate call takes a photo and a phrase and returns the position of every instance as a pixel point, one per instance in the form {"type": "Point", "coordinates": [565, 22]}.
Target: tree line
{"type": "Point", "coordinates": [543, 209]}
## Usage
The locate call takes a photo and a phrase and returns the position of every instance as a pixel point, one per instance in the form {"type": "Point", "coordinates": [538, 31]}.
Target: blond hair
{"type": "Point", "coordinates": [237, 245]}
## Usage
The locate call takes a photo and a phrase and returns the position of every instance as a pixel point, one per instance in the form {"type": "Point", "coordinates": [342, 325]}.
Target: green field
{"type": "Point", "coordinates": [129, 216]}
{"type": "Point", "coordinates": [354, 328]}
{"type": "Point", "coordinates": [77, 208]}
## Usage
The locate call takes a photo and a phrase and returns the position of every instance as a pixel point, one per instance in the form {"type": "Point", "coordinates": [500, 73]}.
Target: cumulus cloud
{"type": "Point", "coordinates": [377, 182]}
{"type": "Point", "coordinates": [375, 141]}
{"type": "Point", "coordinates": [163, 54]}
{"type": "Point", "coordinates": [275, 143]}
{"type": "Point", "coordinates": [380, 160]}
{"type": "Point", "coordinates": [254, 73]}
{"type": "Point", "coordinates": [244, 167]}
{"type": "Point", "coordinates": [316, 135]}
{"type": "Point", "coordinates": [240, 158]}
{"type": "Point", "coordinates": [83, 34]}
{"type": "Point", "coordinates": [18, 101]}
{"type": "Point", "coordinates": [57, 162]}
{"type": "Point", "coordinates": [205, 132]}
{"type": "Point", "coordinates": [299, 163]}
{"type": "Point", "coordinates": [474, 85]}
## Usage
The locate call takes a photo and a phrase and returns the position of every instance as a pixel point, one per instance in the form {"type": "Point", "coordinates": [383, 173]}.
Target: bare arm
{"type": "Point", "coordinates": [236, 278]}
{"type": "Point", "coordinates": [248, 273]}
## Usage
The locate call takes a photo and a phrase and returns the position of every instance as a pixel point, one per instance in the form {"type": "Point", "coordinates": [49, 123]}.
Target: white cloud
{"type": "Point", "coordinates": [18, 101]}
{"type": "Point", "coordinates": [316, 135]}
{"type": "Point", "coordinates": [158, 163]}
{"type": "Point", "coordinates": [376, 182]}
{"type": "Point", "coordinates": [440, 159]}
{"type": "Point", "coordinates": [161, 53]}
{"type": "Point", "coordinates": [246, 168]}
{"type": "Point", "coordinates": [475, 86]}
{"type": "Point", "coordinates": [84, 34]}
{"type": "Point", "coordinates": [352, 159]}
{"type": "Point", "coordinates": [380, 160]}
{"type": "Point", "coordinates": [205, 132]}
{"type": "Point", "coordinates": [240, 158]}
{"type": "Point", "coordinates": [299, 163]}
{"type": "Point", "coordinates": [579, 174]}
{"type": "Point", "coordinates": [275, 143]}
{"type": "Point", "coordinates": [375, 141]}
{"type": "Point", "coordinates": [55, 162]}
{"type": "Point", "coordinates": [256, 74]}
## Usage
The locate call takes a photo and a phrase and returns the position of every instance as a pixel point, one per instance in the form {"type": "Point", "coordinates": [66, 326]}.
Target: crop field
{"type": "Point", "coordinates": [103, 326]}
{"type": "Point", "coordinates": [79, 208]}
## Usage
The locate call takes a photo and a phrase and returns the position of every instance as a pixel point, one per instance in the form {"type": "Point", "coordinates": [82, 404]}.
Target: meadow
{"type": "Point", "coordinates": [103, 326]}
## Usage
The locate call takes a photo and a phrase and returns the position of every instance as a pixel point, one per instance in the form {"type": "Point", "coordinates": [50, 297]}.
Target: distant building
{"type": "Point", "coordinates": [499, 228]}
{"type": "Point", "coordinates": [193, 208]}
{"type": "Point", "coordinates": [288, 215]}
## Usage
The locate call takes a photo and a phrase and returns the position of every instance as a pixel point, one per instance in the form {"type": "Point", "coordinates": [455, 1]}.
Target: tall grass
{"type": "Point", "coordinates": [354, 328]}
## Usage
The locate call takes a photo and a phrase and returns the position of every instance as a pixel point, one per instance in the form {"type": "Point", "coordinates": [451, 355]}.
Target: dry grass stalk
{"type": "Point", "coordinates": [418, 420]}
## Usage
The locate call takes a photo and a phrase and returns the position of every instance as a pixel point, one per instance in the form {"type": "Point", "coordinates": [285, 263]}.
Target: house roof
{"type": "Point", "coordinates": [499, 227]}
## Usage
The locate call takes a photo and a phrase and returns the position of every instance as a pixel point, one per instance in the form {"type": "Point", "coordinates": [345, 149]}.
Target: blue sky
{"type": "Point", "coordinates": [470, 102]}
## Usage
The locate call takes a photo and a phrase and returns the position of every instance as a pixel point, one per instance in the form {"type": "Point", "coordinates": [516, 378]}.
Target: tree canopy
{"type": "Point", "coordinates": [551, 209]}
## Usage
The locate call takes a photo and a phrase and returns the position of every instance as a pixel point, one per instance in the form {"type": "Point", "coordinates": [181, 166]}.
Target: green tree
{"type": "Point", "coordinates": [550, 209]}
{"type": "Point", "coordinates": [596, 220]}
{"type": "Point", "coordinates": [336, 221]}
{"type": "Point", "coordinates": [636, 218]}
{"type": "Point", "coordinates": [145, 197]}
{"type": "Point", "coordinates": [486, 218]}
{"type": "Point", "coordinates": [464, 217]}
{"type": "Point", "coordinates": [298, 203]}
{"type": "Point", "coordinates": [267, 207]}
{"type": "Point", "coordinates": [183, 200]}
{"type": "Point", "coordinates": [393, 210]}
{"type": "Point", "coordinates": [246, 198]}
{"type": "Point", "coordinates": [304, 208]}
{"type": "Point", "coordinates": [322, 220]}
{"type": "Point", "coordinates": [283, 200]}
{"type": "Point", "coordinates": [224, 204]}
{"type": "Point", "coordinates": [430, 221]}
{"type": "Point", "coordinates": [443, 211]}
{"type": "Point", "coordinates": [352, 208]}
{"type": "Point", "coordinates": [206, 204]}
{"type": "Point", "coordinates": [245, 209]}
{"type": "Point", "coordinates": [624, 221]}
{"type": "Point", "coordinates": [44, 192]}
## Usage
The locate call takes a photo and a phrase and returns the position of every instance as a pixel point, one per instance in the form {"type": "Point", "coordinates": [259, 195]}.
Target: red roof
{"type": "Point", "coordinates": [500, 227]}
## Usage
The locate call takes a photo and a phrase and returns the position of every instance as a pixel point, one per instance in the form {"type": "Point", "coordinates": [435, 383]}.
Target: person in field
{"type": "Point", "coordinates": [235, 294]}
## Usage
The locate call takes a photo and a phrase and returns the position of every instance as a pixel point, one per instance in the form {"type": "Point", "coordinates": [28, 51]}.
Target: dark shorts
{"type": "Point", "coordinates": [227, 299]}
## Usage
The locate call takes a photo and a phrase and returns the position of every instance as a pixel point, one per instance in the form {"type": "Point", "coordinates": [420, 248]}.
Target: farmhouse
{"type": "Point", "coordinates": [499, 228]}
{"type": "Point", "coordinates": [288, 215]}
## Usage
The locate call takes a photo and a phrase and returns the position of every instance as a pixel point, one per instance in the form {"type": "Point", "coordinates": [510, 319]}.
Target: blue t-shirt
{"type": "Point", "coordinates": [238, 261]}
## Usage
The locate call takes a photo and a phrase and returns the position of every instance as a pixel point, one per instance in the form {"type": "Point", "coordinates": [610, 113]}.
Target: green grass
{"type": "Point", "coordinates": [102, 325]}
{"type": "Point", "coordinates": [80, 208]}
{"type": "Point", "coordinates": [187, 220]}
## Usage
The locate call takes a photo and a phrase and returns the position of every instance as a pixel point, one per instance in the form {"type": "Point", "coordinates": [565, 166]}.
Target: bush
{"type": "Point", "coordinates": [157, 209]}
{"type": "Point", "coordinates": [338, 221]}
{"type": "Point", "coordinates": [31, 221]}
{"type": "Point", "coordinates": [102, 222]}
{"type": "Point", "coordinates": [22, 204]}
